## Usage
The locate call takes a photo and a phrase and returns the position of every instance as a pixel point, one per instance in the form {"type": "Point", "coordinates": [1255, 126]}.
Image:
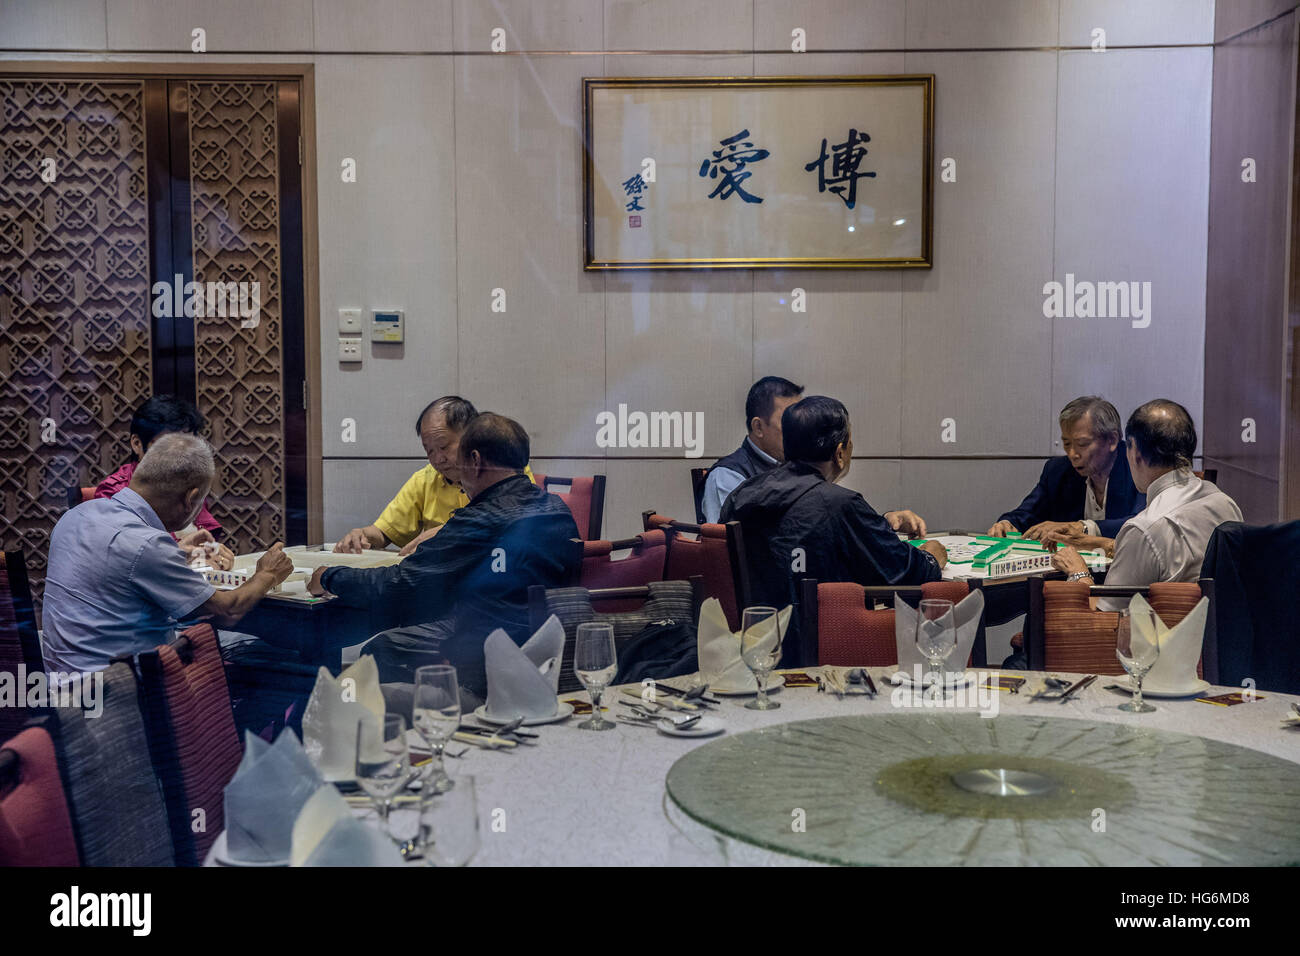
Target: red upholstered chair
{"type": "Point", "coordinates": [585, 498]}
{"type": "Point", "coordinates": [192, 737]}
{"type": "Point", "coordinates": [19, 641]}
{"type": "Point", "coordinates": [851, 632]}
{"type": "Point", "coordinates": [1064, 633]}
{"type": "Point", "coordinates": [35, 828]}
{"type": "Point", "coordinates": [715, 552]}
{"type": "Point", "coordinates": [643, 565]}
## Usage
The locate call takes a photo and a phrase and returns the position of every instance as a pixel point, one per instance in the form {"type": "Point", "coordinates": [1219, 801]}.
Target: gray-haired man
{"type": "Point", "coordinates": [118, 584]}
{"type": "Point", "coordinates": [1088, 491]}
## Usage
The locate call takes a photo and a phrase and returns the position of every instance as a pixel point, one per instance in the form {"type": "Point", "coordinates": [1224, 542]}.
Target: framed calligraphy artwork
{"type": "Point", "coordinates": [771, 172]}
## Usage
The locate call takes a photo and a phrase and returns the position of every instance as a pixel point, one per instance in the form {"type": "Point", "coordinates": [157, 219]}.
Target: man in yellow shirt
{"type": "Point", "coordinates": [430, 495]}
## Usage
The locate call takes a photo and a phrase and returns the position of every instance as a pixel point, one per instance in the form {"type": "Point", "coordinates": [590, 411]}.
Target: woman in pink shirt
{"type": "Point", "coordinates": [159, 415]}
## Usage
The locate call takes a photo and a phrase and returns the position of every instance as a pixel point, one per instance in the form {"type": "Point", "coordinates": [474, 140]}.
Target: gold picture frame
{"type": "Point", "coordinates": [758, 172]}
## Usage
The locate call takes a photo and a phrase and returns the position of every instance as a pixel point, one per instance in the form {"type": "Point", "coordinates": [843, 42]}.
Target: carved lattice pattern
{"type": "Point", "coordinates": [234, 189]}
{"type": "Point", "coordinates": [74, 294]}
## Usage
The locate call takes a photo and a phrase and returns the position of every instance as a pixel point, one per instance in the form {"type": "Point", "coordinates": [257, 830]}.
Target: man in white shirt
{"type": "Point", "coordinates": [1166, 541]}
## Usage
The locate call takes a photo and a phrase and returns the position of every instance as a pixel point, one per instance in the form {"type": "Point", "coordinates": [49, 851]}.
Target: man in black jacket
{"type": "Point", "coordinates": [473, 576]}
{"type": "Point", "coordinates": [1085, 494]}
{"type": "Point", "coordinates": [797, 522]}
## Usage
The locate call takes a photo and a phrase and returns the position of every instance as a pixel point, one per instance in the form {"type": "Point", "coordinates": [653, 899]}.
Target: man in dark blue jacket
{"type": "Point", "coordinates": [796, 521]}
{"type": "Point", "coordinates": [473, 576]}
{"type": "Point", "coordinates": [1085, 493]}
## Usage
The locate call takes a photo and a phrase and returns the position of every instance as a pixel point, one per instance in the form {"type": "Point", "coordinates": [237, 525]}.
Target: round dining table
{"type": "Point", "coordinates": [861, 779]}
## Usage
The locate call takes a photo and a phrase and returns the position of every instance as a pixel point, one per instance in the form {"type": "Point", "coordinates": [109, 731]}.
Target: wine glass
{"type": "Point", "coordinates": [383, 762]}
{"type": "Point", "coordinates": [436, 715]}
{"type": "Point", "coordinates": [449, 825]}
{"type": "Point", "coordinates": [936, 638]}
{"type": "Point", "coordinates": [760, 649]}
{"type": "Point", "coordinates": [595, 662]}
{"type": "Point", "coordinates": [1138, 652]}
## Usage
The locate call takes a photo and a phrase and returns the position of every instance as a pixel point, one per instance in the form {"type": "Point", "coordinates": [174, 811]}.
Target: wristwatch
{"type": "Point", "coordinates": [1079, 575]}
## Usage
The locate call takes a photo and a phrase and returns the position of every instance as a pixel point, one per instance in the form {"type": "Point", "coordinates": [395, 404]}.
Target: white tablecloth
{"type": "Point", "coordinates": [582, 798]}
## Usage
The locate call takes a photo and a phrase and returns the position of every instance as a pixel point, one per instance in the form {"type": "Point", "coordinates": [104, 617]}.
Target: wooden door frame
{"type": "Point", "coordinates": [305, 74]}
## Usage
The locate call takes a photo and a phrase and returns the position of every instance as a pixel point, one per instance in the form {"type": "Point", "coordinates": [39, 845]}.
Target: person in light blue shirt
{"type": "Point", "coordinates": [118, 584]}
{"type": "Point", "coordinates": [761, 450]}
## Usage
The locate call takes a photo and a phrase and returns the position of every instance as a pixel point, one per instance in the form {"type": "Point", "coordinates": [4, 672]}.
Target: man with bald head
{"type": "Point", "coordinates": [117, 582]}
{"type": "Point", "coordinates": [1166, 541]}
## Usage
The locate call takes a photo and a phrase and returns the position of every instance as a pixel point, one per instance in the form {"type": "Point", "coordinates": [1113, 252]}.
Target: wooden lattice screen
{"type": "Point", "coordinates": [74, 294]}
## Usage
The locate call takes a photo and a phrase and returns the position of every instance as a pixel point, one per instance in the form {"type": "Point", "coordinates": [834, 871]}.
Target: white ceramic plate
{"type": "Point", "coordinates": [952, 679]}
{"type": "Point", "coordinates": [1200, 687]}
{"type": "Point", "coordinates": [565, 710]}
{"type": "Point", "coordinates": [775, 682]}
{"type": "Point", "coordinates": [704, 727]}
{"type": "Point", "coordinates": [220, 854]}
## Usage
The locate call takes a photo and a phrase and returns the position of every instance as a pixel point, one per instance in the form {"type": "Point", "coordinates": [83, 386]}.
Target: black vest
{"type": "Point", "coordinates": [744, 461]}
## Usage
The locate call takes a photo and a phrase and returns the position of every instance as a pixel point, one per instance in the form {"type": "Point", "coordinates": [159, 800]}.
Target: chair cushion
{"type": "Point", "coordinates": [707, 556]}
{"type": "Point", "coordinates": [35, 829]}
{"type": "Point", "coordinates": [850, 635]}
{"type": "Point", "coordinates": [200, 750]}
{"type": "Point", "coordinates": [644, 565]}
{"type": "Point", "coordinates": [1077, 639]}
{"type": "Point", "coordinates": [113, 795]}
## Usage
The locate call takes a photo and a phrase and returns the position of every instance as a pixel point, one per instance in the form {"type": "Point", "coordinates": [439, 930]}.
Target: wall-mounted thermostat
{"type": "Point", "coordinates": [387, 326]}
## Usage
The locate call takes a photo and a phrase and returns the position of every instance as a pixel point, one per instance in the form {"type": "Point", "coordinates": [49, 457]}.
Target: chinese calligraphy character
{"type": "Point", "coordinates": [844, 167]}
{"type": "Point", "coordinates": [734, 174]}
{"type": "Point", "coordinates": [634, 187]}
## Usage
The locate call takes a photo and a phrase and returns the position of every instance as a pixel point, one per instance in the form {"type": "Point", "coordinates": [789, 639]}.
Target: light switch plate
{"type": "Point", "coordinates": [350, 321]}
{"type": "Point", "coordinates": [349, 350]}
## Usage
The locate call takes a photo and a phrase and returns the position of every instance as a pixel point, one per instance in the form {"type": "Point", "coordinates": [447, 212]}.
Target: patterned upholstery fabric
{"type": "Point", "coordinates": [35, 829]}
{"type": "Point", "coordinates": [578, 498]}
{"type": "Point", "coordinates": [706, 556]}
{"type": "Point", "coordinates": [113, 795]}
{"type": "Point", "coordinates": [1081, 640]}
{"type": "Point", "coordinates": [643, 565]}
{"type": "Point", "coordinates": [850, 635]}
{"type": "Point", "coordinates": [19, 643]}
{"type": "Point", "coordinates": [669, 600]}
{"type": "Point", "coordinates": [192, 735]}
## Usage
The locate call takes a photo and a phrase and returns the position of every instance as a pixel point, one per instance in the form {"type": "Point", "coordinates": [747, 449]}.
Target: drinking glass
{"type": "Point", "coordinates": [1137, 649]}
{"type": "Point", "coordinates": [383, 762]}
{"type": "Point", "coordinates": [760, 649]}
{"type": "Point", "coordinates": [436, 715]}
{"type": "Point", "coordinates": [595, 662]}
{"type": "Point", "coordinates": [449, 825]}
{"type": "Point", "coordinates": [936, 638]}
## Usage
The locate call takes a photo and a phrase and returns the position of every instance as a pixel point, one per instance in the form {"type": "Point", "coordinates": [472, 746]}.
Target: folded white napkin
{"type": "Point", "coordinates": [329, 724]}
{"type": "Point", "coordinates": [966, 616]}
{"type": "Point", "coordinates": [718, 647]}
{"type": "Point", "coordinates": [524, 681]}
{"type": "Point", "coordinates": [1180, 646]}
{"type": "Point", "coordinates": [262, 800]}
{"type": "Point", "coordinates": [327, 833]}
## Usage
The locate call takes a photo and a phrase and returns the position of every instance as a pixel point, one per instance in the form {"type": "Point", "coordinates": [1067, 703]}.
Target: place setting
{"type": "Point", "coordinates": [927, 637]}
{"type": "Point", "coordinates": [1160, 661]}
